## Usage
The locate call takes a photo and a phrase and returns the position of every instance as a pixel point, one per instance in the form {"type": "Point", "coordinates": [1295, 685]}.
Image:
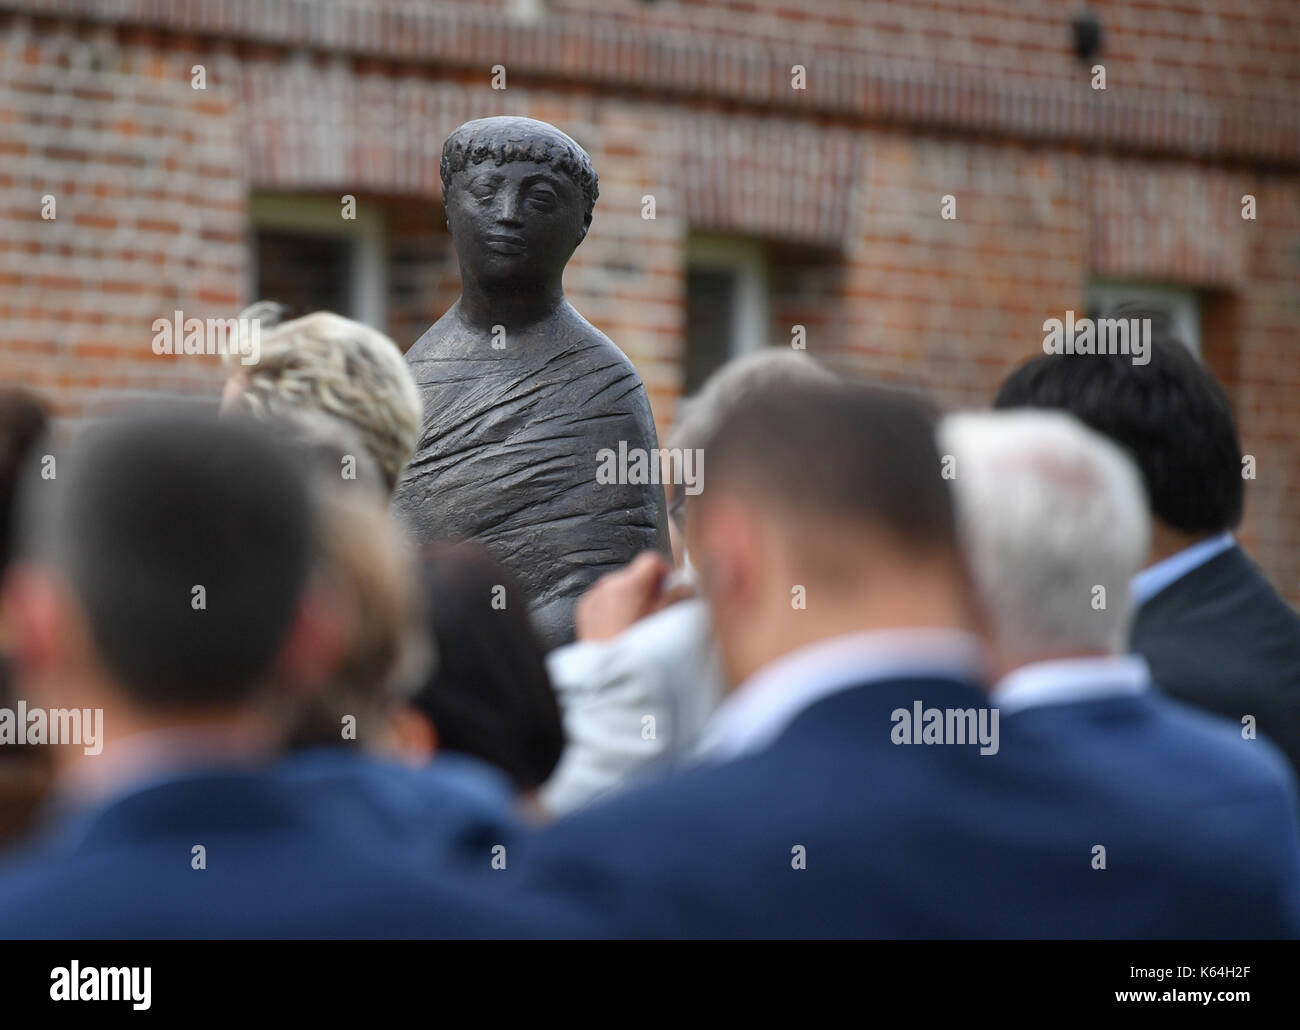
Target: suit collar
{"type": "Point", "coordinates": [144, 759]}
{"type": "Point", "coordinates": [1163, 574]}
{"type": "Point", "coordinates": [758, 711]}
{"type": "Point", "coordinates": [198, 801]}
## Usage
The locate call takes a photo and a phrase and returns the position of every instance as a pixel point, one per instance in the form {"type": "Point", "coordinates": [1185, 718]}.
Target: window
{"type": "Point", "coordinates": [308, 257]}
{"type": "Point", "coordinates": [1182, 304]}
{"type": "Point", "coordinates": [527, 10]}
{"type": "Point", "coordinates": [726, 303]}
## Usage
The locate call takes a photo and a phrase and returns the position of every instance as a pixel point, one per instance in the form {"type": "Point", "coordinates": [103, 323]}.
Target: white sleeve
{"type": "Point", "coordinates": [629, 701]}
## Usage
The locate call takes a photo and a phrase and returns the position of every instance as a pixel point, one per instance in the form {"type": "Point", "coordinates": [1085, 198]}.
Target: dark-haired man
{"type": "Point", "coordinates": [1214, 632]}
{"type": "Point", "coordinates": [521, 393]}
{"type": "Point", "coordinates": [827, 555]}
{"type": "Point", "coordinates": [166, 584]}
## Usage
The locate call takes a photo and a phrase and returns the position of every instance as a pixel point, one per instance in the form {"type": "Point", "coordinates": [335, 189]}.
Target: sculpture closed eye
{"type": "Point", "coordinates": [521, 393]}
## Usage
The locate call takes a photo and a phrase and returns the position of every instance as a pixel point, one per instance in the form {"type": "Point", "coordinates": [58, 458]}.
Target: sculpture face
{"type": "Point", "coordinates": [519, 221]}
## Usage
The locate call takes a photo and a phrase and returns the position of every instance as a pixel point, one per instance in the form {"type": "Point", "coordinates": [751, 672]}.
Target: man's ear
{"type": "Point", "coordinates": [728, 550]}
{"type": "Point", "coordinates": [37, 613]}
{"type": "Point", "coordinates": [586, 225]}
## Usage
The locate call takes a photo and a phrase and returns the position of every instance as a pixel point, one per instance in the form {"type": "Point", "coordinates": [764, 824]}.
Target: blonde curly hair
{"type": "Point", "coordinates": [325, 362]}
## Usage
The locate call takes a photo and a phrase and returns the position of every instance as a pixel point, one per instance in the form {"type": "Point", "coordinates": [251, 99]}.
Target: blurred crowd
{"type": "Point", "coordinates": [984, 674]}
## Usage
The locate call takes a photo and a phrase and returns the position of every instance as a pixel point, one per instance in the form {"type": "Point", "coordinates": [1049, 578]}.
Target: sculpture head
{"type": "Point", "coordinates": [519, 195]}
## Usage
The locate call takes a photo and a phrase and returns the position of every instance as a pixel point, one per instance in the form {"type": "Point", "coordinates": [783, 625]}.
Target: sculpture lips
{"type": "Point", "coordinates": [505, 244]}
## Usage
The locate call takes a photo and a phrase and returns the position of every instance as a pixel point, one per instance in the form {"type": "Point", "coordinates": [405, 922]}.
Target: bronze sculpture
{"type": "Point", "coordinates": [521, 393]}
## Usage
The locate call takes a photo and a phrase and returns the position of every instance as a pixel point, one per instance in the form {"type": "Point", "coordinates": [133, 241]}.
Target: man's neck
{"type": "Point", "coordinates": [137, 744]}
{"type": "Point", "coordinates": [1003, 662]}
{"type": "Point", "coordinates": [937, 607]}
{"type": "Point", "coordinates": [1167, 541]}
{"type": "Point", "coordinates": [483, 307]}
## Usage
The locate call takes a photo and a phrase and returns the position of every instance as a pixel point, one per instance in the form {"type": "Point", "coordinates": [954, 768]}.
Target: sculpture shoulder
{"type": "Point", "coordinates": [592, 341]}
{"type": "Point", "coordinates": [434, 340]}
{"type": "Point", "coordinates": [589, 351]}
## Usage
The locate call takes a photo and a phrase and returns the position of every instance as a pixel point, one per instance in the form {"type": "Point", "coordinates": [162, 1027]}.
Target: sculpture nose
{"type": "Point", "coordinates": [508, 213]}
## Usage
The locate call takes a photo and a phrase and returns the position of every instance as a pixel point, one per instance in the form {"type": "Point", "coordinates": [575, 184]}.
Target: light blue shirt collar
{"type": "Point", "coordinates": [1066, 680]}
{"type": "Point", "coordinates": [758, 711]}
{"type": "Point", "coordinates": [1150, 581]}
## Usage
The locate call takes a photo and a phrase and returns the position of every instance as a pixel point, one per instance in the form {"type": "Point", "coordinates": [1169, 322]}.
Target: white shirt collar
{"type": "Point", "coordinates": [1063, 680]}
{"type": "Point", "coordinates": [1150, 581]}
{"type": "Point", "coordinates": [139, 760]}
{"type": "Point", "coordinates": [759, 710]}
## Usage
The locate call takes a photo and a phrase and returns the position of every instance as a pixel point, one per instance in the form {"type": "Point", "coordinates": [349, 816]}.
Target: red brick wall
{"type": "Point", "coordinates": [691, 102]}
{"type": "Point", "coordinates": [150, 196]}
{"type": "Point", "coordinates": [1216, 52]}
{"type": "Point", "coordinates": [1264, 377]}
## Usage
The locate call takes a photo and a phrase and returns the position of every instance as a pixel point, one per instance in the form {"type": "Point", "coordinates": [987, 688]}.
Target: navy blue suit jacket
{"type": "Point", "coordinates": [915, 840]}
{"type": "Point", "coordinates": [449, 813]}
{"type": "Point", "coordinates": [1220, 638]}
{"type": "Point", "coordinates": [282, 861]}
